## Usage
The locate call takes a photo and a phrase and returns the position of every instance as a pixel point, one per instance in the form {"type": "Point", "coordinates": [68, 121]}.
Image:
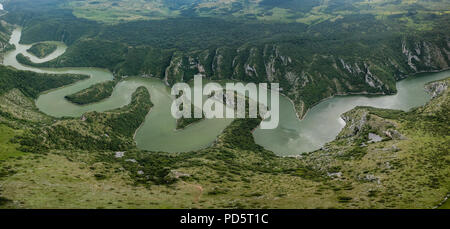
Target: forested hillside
{"type": "Point", "coordinates": [31, 83]}
{"type": "Point", "coordinates": [361, 50]}
{"type": "Point", "coordinates": [5, 32]}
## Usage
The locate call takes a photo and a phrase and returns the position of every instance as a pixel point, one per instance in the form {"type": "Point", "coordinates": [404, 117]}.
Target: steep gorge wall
{"type": "Point", "coordinates": [5, 33]}
{"type": "Point", "coordinates": [307, 79]}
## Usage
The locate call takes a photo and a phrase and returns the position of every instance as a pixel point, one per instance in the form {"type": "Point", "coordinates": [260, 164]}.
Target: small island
{"type": "Point", "coordinates": [94, 93]}
{"type": "Point", "coordinates": [42, 50]}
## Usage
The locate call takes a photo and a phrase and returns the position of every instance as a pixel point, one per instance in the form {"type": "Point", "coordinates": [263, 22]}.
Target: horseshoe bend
{"type": "Point", "coordinates": [86, 91]}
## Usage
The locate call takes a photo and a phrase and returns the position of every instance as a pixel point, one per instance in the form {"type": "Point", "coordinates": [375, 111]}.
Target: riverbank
{"type": "Point", "coordinates": [301, 117]}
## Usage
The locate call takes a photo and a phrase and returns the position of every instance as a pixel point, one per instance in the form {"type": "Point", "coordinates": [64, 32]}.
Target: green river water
{"type": "Point", "coordinates": [292, 137]}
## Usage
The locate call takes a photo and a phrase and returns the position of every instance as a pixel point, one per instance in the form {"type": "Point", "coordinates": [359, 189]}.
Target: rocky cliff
{"type": "Point", "coordinates": [307, 79]}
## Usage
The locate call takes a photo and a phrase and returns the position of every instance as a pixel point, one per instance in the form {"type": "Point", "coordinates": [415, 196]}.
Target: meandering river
{"type": "Point", "coordinates": [293, 136]}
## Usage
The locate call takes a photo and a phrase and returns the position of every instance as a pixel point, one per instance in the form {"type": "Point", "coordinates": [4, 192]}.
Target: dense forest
{"type": "Point", "coordinates": [358, 53]}
{"type": "Point", "coordinates": [32, 84]}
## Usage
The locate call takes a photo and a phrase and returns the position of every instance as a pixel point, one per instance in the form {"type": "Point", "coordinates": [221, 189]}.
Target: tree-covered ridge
{"type": "Point", "coordinates": [112, 130]}
{"type": "Point", "coordinates": [42, 50]}
{"type": "Point", "coordinates": [32, 84]}
{"type": "Point", "coordinates": [353, 55]}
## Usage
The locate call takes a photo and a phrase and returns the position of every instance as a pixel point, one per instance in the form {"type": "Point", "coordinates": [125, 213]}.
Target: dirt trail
{"type": "Point", "coordinates": [199, 188]}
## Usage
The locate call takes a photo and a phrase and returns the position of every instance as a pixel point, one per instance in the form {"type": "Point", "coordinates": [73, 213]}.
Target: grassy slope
{"type": "Point", "coordinates": [409, 170]}
{"type": "Point", "coordinates": [8, 149]}
{"type": "Point", "coordinates": [18, 112]}
{"type": "Point", "coordinates": [446, 205]}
